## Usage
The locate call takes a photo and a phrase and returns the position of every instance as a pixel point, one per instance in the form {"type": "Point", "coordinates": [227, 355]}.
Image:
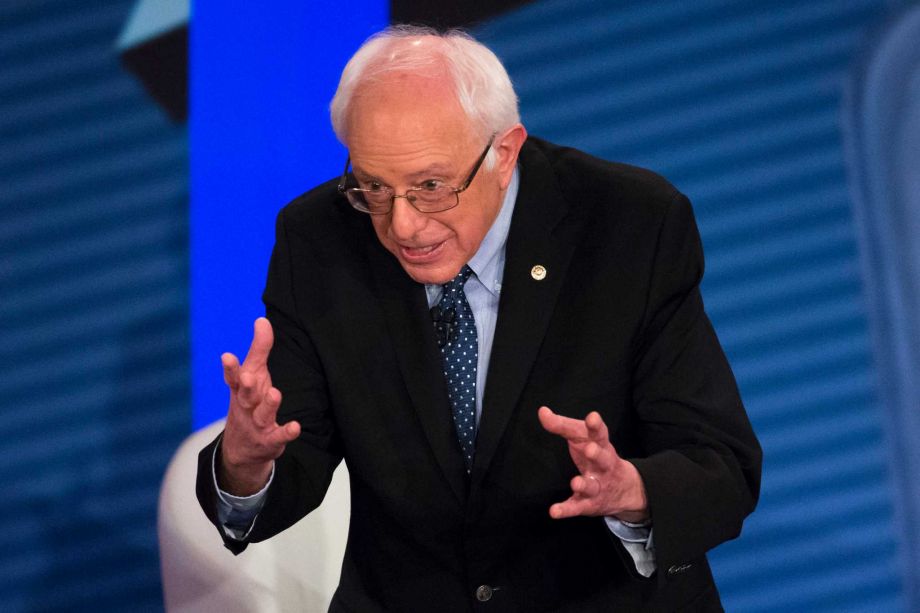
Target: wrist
{"type": "Point", "coordinates": [637, 518]}
{"type": "Point", "coordinates": [242, 480]}
{"type": "Point", "coordinates": [635, 503]}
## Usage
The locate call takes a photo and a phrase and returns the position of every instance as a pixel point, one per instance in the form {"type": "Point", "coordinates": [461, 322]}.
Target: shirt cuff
{"type": "Point", "coordinates": [637, 540]}
{"type": "Point", "coordinates": [237, 514]}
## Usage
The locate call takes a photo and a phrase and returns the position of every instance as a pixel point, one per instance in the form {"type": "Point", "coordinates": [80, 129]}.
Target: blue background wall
{"type": "Point", "coordinates": [261, 81]}
{"type": "Point", "coordinates": [94, 345]}
{"type": "Point", "coordinates": [741, 105]}
{"type": "Point", "coordinates": [744, 105]}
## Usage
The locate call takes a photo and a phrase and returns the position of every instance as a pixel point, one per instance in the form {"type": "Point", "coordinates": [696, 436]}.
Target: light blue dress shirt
{"type": "Point", "coordinates": [483, 291]}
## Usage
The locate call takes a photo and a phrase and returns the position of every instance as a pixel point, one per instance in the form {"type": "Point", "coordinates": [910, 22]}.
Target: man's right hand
{"type": "Point", "coordinates": [252, 438]}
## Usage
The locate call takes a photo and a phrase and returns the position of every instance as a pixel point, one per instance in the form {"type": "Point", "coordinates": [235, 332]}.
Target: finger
{"type": "Point", "coordinates": [570, 429]}
{"type": "Point", "coordinates": [572, 507]}
{"type": "Point", "coordinates": [231, 367]}
{"type": "Point", "coordinates": [586, 487]}
{"type": "Point", "coordinates": [285, 434]}
{"type": "Point", "coordinates": [592, 458]}
{"type": "Point", "coordinates": [262, 340]}
{"type": "Point", "coordinates": [597, 429]}
{"type": "Point", "coordinates": [248, 392]}
{"type": "Point", "coordinates": [592, 451]}
{"type": "Point", "coordinates": [265, 413]}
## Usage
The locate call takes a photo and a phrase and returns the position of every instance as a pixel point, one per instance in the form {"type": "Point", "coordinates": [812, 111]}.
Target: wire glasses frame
{"type": "Point", "coordinates": [425, 199]}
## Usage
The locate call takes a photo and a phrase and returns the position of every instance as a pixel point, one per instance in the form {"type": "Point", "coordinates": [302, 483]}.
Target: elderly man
{"type": "Point", "coordinates": [505, 341]}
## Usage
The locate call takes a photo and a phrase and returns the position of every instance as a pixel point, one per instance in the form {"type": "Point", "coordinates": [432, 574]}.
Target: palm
{"type": "Point", "coordinates": [252, 437]}
{"type": "Point", "coordinates": [606, 484]}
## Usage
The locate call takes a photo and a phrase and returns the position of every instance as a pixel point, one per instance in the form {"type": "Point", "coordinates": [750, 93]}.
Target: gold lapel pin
{"type": "Point", "coordinates": [538, 273]}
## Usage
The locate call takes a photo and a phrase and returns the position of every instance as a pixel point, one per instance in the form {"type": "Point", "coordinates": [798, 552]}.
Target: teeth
{"type": "Point", "coordinates": [421, 250]}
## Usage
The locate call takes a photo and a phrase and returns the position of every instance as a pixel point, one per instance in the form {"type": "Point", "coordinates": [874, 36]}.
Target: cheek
{"type": "Point", "coordinates": [469, 237]}
{"type": "Point", "coordinates": [471, 230]}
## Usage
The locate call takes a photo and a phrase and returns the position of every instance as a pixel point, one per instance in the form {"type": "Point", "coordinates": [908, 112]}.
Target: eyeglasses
{"type": "Point", "coordinates": [432, 196]}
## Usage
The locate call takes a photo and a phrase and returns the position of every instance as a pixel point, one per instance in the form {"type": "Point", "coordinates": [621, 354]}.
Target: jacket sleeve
{"type": "Point", "coordinates": [702, 464]}
{"type": "Point", "coordinates": [303, 472]}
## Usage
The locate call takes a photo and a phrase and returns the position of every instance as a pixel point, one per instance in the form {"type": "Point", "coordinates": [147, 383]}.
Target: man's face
{"type": "Point", "coordinates": [403, 132]}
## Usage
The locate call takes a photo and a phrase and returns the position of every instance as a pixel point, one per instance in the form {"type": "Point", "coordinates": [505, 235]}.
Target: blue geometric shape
{"type": "Point", "coordinates": [261, 78]}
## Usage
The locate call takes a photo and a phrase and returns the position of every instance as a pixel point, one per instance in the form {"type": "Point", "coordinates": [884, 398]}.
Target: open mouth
{"type": "Point", "coordinates": [418, 255]}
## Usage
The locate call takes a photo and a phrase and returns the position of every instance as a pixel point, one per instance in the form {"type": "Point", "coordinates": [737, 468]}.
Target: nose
{"type": "Point", "coordinates": [405, 220]}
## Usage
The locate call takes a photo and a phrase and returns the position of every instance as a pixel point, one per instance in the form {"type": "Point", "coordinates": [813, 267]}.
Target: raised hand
{"type": "Point", "coordinates": [252, 437]}
{"type": "Point", "coordinates": [608, 484]}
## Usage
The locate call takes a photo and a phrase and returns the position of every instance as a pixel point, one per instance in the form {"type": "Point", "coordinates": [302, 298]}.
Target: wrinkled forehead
{"type": "Point", "coordinates": [403, 99]}
{"type": "Point", "coordinates": [407, 116]}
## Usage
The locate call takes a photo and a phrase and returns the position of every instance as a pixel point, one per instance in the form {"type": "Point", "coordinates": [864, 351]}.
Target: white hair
{"type": "Point", "coordinates": [479, 80]}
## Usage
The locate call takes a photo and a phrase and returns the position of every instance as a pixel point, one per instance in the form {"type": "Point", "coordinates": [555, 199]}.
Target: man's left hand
{"type": "Point", "coordinates": [608, 484]}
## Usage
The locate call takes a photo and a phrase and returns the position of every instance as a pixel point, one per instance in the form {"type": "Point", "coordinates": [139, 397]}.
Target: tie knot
{"type": "Point", "coordinates": [457, 282]}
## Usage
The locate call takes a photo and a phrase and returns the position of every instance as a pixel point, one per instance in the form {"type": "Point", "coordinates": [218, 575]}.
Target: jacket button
{"type": "Point", "coordinates": [484, 593]}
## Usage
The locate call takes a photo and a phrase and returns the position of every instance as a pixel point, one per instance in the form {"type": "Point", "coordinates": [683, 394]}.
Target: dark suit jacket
{"type": "Point", "coordinates": [617, 326]}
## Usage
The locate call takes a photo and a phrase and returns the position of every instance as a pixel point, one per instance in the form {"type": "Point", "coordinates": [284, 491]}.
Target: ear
{"type": "Point", "coordinates": [508, 146]}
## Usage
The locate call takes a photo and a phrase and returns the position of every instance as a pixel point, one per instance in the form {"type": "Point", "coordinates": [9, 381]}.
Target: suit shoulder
{"type": "Point", "coordinates": [322, 219]}
{"type": "Point", "coordinates": [314, 205]}
{"type": "Point", "coordinates": [591, 182]}
{"type": "Point", "coordinates": [322, 210]}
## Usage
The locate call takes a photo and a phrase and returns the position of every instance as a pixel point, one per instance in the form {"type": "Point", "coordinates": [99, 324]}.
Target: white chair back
{"type": "Point", "coordinates": [297, 570]}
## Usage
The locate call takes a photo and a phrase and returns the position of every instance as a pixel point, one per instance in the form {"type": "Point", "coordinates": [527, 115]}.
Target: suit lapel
{"type": "Point", "coordinates": [524, 313]}
{"type": "Point", "coordinates": [527, 301]}
{"type": "Point", "coordinates": [409, 324]}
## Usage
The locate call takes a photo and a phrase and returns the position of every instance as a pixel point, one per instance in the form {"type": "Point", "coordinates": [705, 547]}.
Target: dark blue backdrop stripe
{"type": "Point", "coordinates": [739, 104]}
{"type": "Point", "coordinates": [94, 305]}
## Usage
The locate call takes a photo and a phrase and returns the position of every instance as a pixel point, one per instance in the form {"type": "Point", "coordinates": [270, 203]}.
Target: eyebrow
{"type": "Point", "coordinates": [431, 169]}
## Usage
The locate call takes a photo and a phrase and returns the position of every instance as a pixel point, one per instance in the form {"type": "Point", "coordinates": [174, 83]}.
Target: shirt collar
{"type": "Point", "coordinates": [489, 262]}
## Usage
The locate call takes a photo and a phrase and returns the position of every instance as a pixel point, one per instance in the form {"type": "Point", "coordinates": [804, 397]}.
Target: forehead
{"type": "Point", "coordinates": [404, 124]}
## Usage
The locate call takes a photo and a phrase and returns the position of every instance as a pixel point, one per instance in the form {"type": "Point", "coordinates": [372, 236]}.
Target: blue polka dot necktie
{"type": "Point", "coordinates": [456, 331]}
